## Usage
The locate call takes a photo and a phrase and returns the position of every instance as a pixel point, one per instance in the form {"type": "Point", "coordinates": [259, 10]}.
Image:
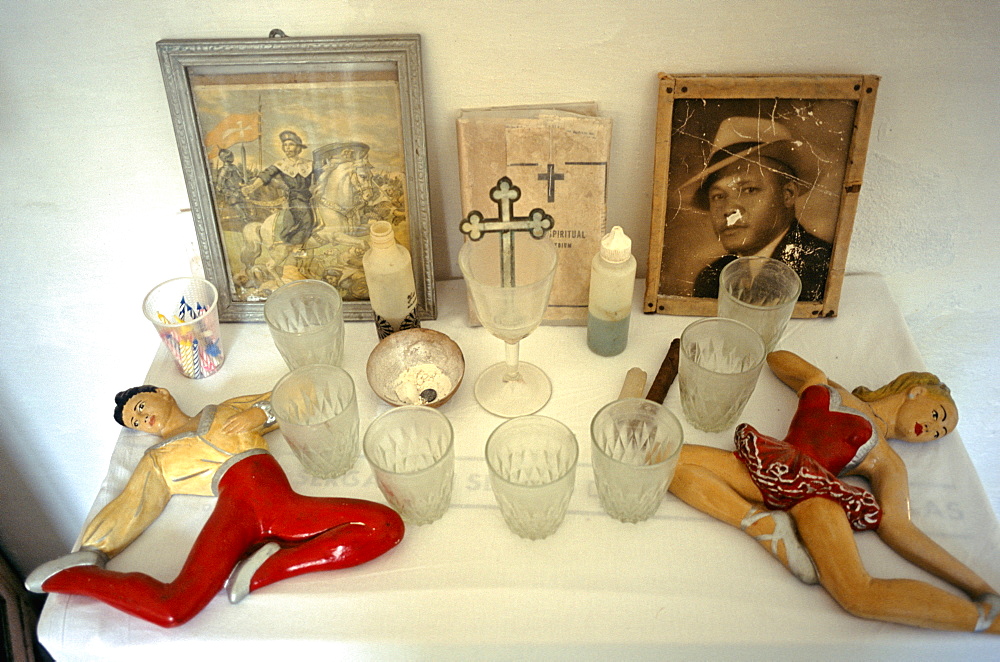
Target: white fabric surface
{"type": "Point", "coordinates": [680, 584]}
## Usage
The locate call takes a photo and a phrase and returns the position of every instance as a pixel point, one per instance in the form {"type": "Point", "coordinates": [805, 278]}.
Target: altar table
{"type": "Point", "coordinates": [680, 585]}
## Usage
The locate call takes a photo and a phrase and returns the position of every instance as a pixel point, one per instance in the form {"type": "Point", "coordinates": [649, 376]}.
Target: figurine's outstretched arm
{"type": "Point", "coordinates": [130, 513]}
{"type": "Point", "coordinates": [888, 478]}
{"type": "Point", "coordinates": [114, 527]}
{"type": "Point", "coordinates": [795, 371]}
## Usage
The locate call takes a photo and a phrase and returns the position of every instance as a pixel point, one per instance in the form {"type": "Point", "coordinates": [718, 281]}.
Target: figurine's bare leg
{"type": "Point", "coordinates": [715, 482]}
{"type": "Point", "coordinates": [827, 534]}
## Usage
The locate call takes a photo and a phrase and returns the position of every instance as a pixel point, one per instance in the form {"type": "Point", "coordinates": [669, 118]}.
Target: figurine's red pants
{"type": "Point", "coordinates": [255, 505]}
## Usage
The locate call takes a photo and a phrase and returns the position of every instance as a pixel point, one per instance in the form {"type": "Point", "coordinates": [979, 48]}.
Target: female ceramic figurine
{"type": "Point", "coordinates": [260, 531]}
{"type": "Point", "coordinates": [770, 487]}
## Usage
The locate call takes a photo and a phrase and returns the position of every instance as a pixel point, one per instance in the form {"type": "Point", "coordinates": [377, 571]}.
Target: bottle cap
{"type": "Point", "coordinates": [381, 234]}
{"type": "Point", "coordinates": [616, 247]}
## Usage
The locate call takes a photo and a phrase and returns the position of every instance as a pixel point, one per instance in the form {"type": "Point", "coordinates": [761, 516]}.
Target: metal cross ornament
{"type": "Point", "coordinates": [505, 194]}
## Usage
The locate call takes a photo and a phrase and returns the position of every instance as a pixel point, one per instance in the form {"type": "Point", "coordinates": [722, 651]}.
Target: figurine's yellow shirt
{"type": "Point", "coordinates": [183, 464]}
{"type": "Point", "coordinates": [188, 462]}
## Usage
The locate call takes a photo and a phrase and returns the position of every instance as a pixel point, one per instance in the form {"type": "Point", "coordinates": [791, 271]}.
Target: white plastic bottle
{"type": "Point", "coordinates": [612, 281]}
{"type": "Point", "coordinates": [389, 272]}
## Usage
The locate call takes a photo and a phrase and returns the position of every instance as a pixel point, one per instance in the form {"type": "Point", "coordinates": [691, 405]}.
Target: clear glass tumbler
{"type": "Point", "coordinates": [760, 292]}
{"type": "Point", "coordinates": [532, 464]}
{"type": "Point", "coordinates": [412, 454]}
{"type": "Point", "coordinates": [635, 444]}
{"type": "Point", "coordinates": [317, 411]}
{"type": "Point", "coordinates": [306, 320]}
{"type": "Point", "coordinates": [720, 360]}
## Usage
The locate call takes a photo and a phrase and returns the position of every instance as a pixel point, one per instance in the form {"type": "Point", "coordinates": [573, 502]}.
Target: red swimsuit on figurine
{"type": "Point", "coordinates": [824, 440]}
{"type": "Point", "coordinates": [259, 532]}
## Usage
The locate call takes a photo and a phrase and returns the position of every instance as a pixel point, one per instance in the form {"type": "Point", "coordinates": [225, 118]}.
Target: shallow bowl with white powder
{"type": "Point", "coordinates": [416, 367]}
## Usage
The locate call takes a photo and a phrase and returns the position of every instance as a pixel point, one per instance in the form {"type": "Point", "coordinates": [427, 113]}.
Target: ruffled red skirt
{"type": "Point", "coordinates": [787, 476]}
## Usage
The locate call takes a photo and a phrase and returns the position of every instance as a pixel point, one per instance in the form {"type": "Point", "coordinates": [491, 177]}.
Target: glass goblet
{"type": "Point", "coordinates": [510, 312]}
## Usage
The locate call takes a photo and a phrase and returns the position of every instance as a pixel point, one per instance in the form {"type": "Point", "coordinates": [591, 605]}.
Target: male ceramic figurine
{"type": "Point", "coordinates": [770, 487]}
{"type": "Point", "coordinates": [260, 531]}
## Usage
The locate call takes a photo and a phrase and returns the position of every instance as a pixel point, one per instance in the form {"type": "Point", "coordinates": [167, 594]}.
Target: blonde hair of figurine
{"type": "Point", "coordinates": [904, 383]}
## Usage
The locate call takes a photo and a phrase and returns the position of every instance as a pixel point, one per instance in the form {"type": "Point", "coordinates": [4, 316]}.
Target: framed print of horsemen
{"type": "Point", "coordinates": [768, 166]}
{"type": "Point", "coordinates": [291, 149]}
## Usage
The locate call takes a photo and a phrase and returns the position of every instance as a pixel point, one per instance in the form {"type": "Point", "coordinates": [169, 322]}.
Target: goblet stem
{"type": "Point", "coordinates": [511, 359]}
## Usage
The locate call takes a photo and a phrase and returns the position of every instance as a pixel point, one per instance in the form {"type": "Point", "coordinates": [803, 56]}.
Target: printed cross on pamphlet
{"type": "Point", "coordinates": [537, 223]}
{"type": "Point", "coordinates": [550, 176]}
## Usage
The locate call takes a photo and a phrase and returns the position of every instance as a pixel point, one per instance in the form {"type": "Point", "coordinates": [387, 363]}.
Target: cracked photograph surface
{"type": "Point", "coordinates": [753, 177]}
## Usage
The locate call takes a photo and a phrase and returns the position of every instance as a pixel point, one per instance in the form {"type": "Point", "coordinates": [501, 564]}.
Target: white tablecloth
{"type": "Point", "coordinates": [678, 585]}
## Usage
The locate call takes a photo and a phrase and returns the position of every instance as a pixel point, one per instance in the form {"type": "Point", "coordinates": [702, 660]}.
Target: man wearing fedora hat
{"type": "Point", "coordinates": [754, 176]}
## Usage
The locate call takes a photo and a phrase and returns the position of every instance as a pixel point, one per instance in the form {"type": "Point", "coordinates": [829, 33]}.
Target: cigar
{"type": "Point", "coordinates": [667, 373]}
{"type": "Point", "coordinates": [635, 382]}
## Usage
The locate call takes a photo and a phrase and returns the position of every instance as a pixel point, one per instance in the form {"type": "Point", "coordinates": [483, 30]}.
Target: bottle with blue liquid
{"type": "Point", "coordinates": [612, 281]}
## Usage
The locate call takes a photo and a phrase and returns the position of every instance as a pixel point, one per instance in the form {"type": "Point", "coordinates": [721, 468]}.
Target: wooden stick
{"type": "Point", "coordinates": [635, 382]}
{"type": "Point", "coordinates": [668, 372]}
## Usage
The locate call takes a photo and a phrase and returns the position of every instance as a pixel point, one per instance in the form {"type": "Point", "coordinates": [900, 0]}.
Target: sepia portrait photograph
{"type": "Point", "coordinates": [293, 164]}
{"type": "Point", "coordinates": [755, 167]}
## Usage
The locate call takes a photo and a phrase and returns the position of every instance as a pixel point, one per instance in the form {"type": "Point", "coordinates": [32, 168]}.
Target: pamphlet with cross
{"type": "Point", "coordinates": [537, 223]}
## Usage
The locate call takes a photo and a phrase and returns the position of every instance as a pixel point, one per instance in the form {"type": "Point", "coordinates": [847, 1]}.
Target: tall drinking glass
{"type": "Point", "coordinates": [635, 445]}
{"type": "Point", "coordinates": [306, 320]}
{"type": "Point", "coordinates": [411, 451]}
{"type": "Point", "coordinates": [317, 409]}
{"type": "Point", "coordinates": [512, 388]}
{"type": "Point", "coordinates": [760, 292]}
{"type": "Point", "coordinates": [720, 360]}
{"type": "Point", "coordinates": [532, 464]}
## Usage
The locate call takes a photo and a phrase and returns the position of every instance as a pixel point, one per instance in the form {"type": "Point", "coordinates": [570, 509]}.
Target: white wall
{"type": "Point", "coordinates": [93, 192]}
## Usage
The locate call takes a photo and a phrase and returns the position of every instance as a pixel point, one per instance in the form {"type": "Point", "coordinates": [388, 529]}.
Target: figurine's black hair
{"type": "Point", "coordinates": [124, 396]}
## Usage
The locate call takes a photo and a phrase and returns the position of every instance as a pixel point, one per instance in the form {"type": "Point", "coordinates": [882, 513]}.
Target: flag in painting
{"type": "Point", "coordinates": [236, 128]}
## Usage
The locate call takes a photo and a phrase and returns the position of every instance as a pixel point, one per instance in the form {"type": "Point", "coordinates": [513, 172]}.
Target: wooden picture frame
{"type": "Point", "coordinates": [291, 148]}
{"type": "Point", "coordinates": [808, 132]}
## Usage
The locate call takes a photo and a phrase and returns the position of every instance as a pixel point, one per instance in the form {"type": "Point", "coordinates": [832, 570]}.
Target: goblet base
{"type": "Point", "coordinates": [510, 398]}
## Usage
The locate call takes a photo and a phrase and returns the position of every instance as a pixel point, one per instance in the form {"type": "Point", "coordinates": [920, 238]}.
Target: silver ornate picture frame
{"type": "Point", "coordinates": [291, 148]}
